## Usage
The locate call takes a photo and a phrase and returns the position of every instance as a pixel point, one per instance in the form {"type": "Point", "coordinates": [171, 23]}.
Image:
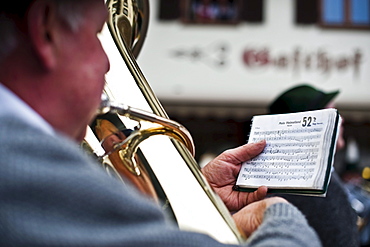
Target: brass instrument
{"type": "Point", "coordinates": [142, 145]}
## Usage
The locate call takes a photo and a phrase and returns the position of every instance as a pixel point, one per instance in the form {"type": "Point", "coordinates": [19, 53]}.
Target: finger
{"type": "Point", "coordinates": [261, 192]}
{"type": "Point", "coordinates": [257, 195]}
{"type": "Point", "coordinates": [243, 153]}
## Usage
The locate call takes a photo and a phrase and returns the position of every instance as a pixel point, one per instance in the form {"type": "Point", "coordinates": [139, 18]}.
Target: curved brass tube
{"type": "Point", "coordinates": [163, 126]}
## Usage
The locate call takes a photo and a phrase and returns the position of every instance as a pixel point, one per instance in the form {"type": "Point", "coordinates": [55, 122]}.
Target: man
{"type": "Point", "coordinates": [52, 70]}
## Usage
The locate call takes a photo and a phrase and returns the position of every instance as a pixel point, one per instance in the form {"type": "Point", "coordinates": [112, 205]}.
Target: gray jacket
{"type": "Point", "coordinates": [53, 195]}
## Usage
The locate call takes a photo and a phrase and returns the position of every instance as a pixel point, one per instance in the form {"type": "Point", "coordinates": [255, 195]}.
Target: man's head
{"type": "Point", "coordinates": [54, 60]}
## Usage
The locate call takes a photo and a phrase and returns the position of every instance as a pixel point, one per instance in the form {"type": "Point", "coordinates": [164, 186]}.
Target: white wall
{"type": "Point", "coordinates": [187, 79]}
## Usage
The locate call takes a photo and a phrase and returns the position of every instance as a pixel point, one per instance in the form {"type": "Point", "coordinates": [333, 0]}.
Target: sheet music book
{"type": "Point", "coordinates": [298, 156]}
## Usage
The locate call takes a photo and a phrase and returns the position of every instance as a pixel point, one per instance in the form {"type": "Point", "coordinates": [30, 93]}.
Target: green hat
{"type": "Point", "coordinates": [301, 98]}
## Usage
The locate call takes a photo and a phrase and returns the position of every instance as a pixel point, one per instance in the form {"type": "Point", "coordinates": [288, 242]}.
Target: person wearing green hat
{"type": "Point", "coordinates": [332, 216]}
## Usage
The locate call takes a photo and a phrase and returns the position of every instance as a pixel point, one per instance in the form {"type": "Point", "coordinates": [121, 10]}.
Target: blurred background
{"type": "Point", "coordinates": [213, 70]}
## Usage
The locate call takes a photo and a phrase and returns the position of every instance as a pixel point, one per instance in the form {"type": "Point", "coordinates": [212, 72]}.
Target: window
{"type": "Point", "coordinates": [211, 11]}
{"type": "Point", "coordinates": [345, 13]}
{"type": "Point", "coordinates": [217, 12]}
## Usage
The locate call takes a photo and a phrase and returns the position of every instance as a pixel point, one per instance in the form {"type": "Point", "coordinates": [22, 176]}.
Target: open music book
{"type": "Point", "coordinates": [299, 152]}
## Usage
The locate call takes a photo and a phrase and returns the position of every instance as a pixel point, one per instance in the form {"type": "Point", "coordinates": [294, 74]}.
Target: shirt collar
{"type": "Point", "coordinates": [11, 104]}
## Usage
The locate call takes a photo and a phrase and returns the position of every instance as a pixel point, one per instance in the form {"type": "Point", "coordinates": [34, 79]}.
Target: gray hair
{"type": "Point", "coordinates": [69, 10]}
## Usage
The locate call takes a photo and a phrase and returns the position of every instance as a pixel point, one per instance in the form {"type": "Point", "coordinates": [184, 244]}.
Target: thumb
{"type": "Point", "coordinates": [243, 153]}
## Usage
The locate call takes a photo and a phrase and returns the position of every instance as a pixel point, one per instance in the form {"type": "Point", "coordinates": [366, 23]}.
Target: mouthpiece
{"type": "Point", "coordinates": [107, 106]}
{"type": "Point", "coordinates": [104, 105]}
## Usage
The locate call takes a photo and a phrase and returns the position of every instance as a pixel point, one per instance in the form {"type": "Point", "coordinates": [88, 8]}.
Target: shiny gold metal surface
{"type": "Point", "coordinates": [162, 167]}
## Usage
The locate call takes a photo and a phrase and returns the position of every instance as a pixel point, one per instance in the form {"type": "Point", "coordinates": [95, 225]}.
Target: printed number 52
{"type": "Point", "coordinates": [306, 121]}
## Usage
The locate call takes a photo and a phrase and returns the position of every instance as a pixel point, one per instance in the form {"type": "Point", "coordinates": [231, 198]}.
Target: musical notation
{"type": "Point", "coordinates": [290, 151]}
{"type": "Point", "coordinates": [278, 177]}
{"type": "Point", "coordinates": [286, 138]}
{"type": "Point", "coordinates": [290, 154]}
{"type": "Point", "coordinates": [288, 157]}
{"type": "Point", "coordinates": [298, 152]}
{"type": "Point", "coordinates": [286, 171]}
{"type": "Point", "coordinates": [289, 132]}
{"type": "Point", "coordinates": [287, 164]}
{"type": "Point", "coordinates": [306, 144]}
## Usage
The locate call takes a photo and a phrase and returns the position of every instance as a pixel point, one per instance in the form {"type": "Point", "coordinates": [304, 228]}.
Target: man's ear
{"type": "Point", "coordinates": [41, 24]}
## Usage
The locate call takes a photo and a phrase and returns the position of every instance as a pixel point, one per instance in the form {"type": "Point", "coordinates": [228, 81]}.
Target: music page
{"type": "Point", "coordinates": [298, 152]}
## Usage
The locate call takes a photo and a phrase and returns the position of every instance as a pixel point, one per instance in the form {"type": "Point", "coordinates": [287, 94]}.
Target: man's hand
{"type": "Point", "coordinates": [249, 218]}
{"type": "Point", "coordinates": [222, 172]}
